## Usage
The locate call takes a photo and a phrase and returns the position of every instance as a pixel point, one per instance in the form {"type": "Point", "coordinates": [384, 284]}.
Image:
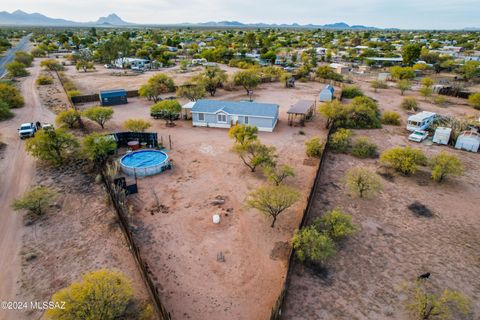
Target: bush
{"type": "Point", "coordinates": [102, 294]}
{"type": "Point", "coordinates": [378, 84]}
{"type": "Point", "coordinates": [363, 148]}
{"type": "Point", "coordinates": [443, 165]}
{"type": "Point", "coordinates": [99, 114]}
{"type": "Point", "coordinates": [11, 96]}
{"type": "Point", "coordinates": [351, 92]}
{"type": "Point", "coordinates": [362, 182]}
{"type": "Point", "coordinates": [54, 146]}
{"type": "Point", "coordinates": [340, 140]}
{"type": "Point", "coordinates": [16, 69]}
{"type": "Point", "coordinates": [409, 104]}
{"type": "Point", "coordinates": [362, 113]}
{"type": "Point", "coordinates": [73, 93]}
{"type": "Point", "coordinates": [5, 112]}
{"type": "Point", "coordinates": [336, 224]}
{"type": "Point", "coordinates": [52, 65]}
{"type": "Point", "coordinates": [35, 201]}
{"type": "Point", "coordinates": [97, 147]}
{"type": "Point", "coordinates": [391, 118]}
{"type": "Point", "coordinates": [168, 110]}
{"type": "Point", "coordinates": [69, 117]}
{"type": "Point", "coordinates": [314, 147]}
{"type": "Point", "coordinates": [474, 100]}
{"type": "Point", "coordinates": [44, 80]}
{"type": "Point", "coordinates": [441, 100]}
{"type": "Point", "coordinates": [136, 125]}
{"type": "Point", "coordinates": [312, 245]}
{"type": "Point", "coordinates": [405, 160]}
{"type": "Point", "coordinates": [24, 58]}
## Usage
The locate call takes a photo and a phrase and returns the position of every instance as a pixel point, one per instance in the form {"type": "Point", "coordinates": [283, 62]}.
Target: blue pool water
{"type": "Point", "coordinates": [144, 159]}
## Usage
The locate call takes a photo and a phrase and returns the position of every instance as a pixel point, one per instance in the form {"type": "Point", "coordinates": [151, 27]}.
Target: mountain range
{"type": "Point", "coordinates": [22, 18]}
{"type": "Point", "coordinates": [36, 19]}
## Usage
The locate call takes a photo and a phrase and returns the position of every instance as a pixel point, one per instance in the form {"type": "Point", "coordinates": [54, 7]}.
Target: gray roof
{"type": "Point", "coordinates": [237, 107]}
{"type": "Point", "coordinates": [302, 107]}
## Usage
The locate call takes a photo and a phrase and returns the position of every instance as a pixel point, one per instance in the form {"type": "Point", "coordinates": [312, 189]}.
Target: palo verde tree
{"type": "Point", "coordinates": [191, 91]}
{"type": "Point", "coordinates": [332, 111]}
{"type": "Point", "coordinates": [136, 125]}
{"type": "Point", "coordinates": [404, 85]}
{"type": "Point", "coordinates": [53, 146]}
{"type": "Point", "coordinates": [5, 112]}
{"type": "Point", "coordinates": [69, 118]}
{"type": "Point", "coordinates": [378, 84]}
{"type": "Point", "coordinates": [84, 65]}
{"type": "Point", "coordinates": [52, 65]}
{"type": "Point", "coordinates": [168, 110]}
{"type": "Point", "coordinates": [101, 294]}
{"type": "Point", "coordinates": [35, 201]}
{"type": "Point", "coordinates": [11, 96]}
{"type": "Point", "coordinates": [99, 114]}
{"type": "Point", "coordinates": [243, 134]}
{"type": "Point", "coordinates": [474, 100]}
{"type": "Point", "coordinates": [97, 147]}
{"type": "Point", "coordinates": [314, 147]}
{"type": "Point", "coordinates": [313, 246]}
{"type": "Point", "coordinates": [255, 154]}
{"type": "Point", "coordinates": [272, 200]}
{"type": "Point", "coordinates": [443, 165]}
{"type": "Point", "coordinates": [336, 224]}
{"type": "Point", "coordinates": [424, 303]}
{"type": "Point", "coordinates": [248, 79]}
{"type": "Point", "coordinates": [362, 182]}
{"type": "Point", "coordinates": [404, 160]}
{"type": "Point", "coordinates": [16, 69]}
{"type": "Point", "coordinates": [157, 85]}
{"type": "Point", "coordinates": [277, 175]}
{"type": "Point", "coordinates": [211, 79]}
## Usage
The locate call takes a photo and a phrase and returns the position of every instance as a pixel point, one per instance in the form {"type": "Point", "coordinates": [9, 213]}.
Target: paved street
{"type": "Point", "coordinates": [22, 45]}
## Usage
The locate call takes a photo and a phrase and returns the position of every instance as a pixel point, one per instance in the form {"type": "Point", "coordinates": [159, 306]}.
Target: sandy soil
{"type": "Point", "coordinates": [18, 169]}
{"type": "Point", "coordinates": [393, 245]}
{"type": "Point", "coordinates": [181, 243]}
{"type": "Point", "coordinates": [80, 233]}
{"type": "Point", "coordinates": [102, 79]}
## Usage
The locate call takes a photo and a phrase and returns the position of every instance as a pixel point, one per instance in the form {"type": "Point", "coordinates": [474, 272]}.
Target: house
{"type": "Point", "coordinates": [468, 140]}
{"type": "Point", "coordinates": [113, 97]}
{"type": "Point", "coordinates": [340, 68]}
{"type": "Point", "coordinates": [224, 114]}
{"type": "Point", "coordinates": [420, 121]}
{"type": "Point", "coordinates": [326, 94]}
{"type": "Point", "coordinates": [134, 63]}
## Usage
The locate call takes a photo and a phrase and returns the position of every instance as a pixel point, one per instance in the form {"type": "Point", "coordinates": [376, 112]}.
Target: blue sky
{"type": "Point", "coordinates": [420, 14]}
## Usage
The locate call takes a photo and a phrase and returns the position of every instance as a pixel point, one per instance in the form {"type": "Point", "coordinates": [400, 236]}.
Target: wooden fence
{"type": "Point", "coordinates": [277, 308]}
{"type": "Point", "coordinates": [118, 197]}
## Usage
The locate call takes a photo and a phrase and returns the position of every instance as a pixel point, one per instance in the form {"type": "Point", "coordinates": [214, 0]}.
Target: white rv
{"type": "Point", "coordinates": [420, 121]}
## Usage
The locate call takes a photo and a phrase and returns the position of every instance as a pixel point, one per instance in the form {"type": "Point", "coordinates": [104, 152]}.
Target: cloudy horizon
{"type": "Point", "coordinates": [407, 14]}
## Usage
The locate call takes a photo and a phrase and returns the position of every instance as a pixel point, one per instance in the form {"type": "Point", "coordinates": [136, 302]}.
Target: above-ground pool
{"type": "Point", "coordinates": [144, 162]}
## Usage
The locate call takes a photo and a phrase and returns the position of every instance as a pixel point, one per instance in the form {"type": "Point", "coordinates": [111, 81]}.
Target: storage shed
{"type": "Point", "coordinates": [468, 140]}
{"type": "Point", "coordinates": [326, 95]}
{"type": "Point", "coordinates": [113, 97]}
{"type": "Point", "coordinates": [442, 135]}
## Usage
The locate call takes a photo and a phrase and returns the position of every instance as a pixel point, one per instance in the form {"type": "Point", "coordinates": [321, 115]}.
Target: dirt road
{"type": "Point", "coordinates": [17, 170]}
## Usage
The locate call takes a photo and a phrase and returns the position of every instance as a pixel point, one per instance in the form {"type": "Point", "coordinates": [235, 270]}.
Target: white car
{"type": "Point", "coordinates": [27, 130]}
{"type": "Point", "coordinates": [418, 136]}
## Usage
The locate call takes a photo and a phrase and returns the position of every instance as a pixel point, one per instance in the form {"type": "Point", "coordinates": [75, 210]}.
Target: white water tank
{"type": "Point", "coordinates": [216, 218]}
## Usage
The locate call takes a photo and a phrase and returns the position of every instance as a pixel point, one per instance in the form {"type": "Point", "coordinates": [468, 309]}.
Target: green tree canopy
{"type": "Point", "coordinates": [336, 224]}
{"type": "Point", "coordinates": [99, 114]}
{"type": "Point", "coordinates": [405, 160]}
{"type": "Point", "coordinates": [35, 201]}
{"type": "Point", "coordinates": [248, 79]}
{"type": "Point", "coordinates": [312, 245]}
{"type": "Point", "coordinates": [98, 147]}
{"type": "Point", "coordinates": [136, 125]}
{"type": "Point", "coordinates": [54, 146]}
{"type": "Point", "coordinates": [157, 85]}
{"type": "Point", "coordinates": [168, 110]}
{"type": "Point", "coordinates": [362, 182]}
{"type": "Point", "coordinates": [443, 165]}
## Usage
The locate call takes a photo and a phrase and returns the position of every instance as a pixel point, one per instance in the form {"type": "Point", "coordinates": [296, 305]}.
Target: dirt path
{"type": "Point", "coordinates": [17, 171]}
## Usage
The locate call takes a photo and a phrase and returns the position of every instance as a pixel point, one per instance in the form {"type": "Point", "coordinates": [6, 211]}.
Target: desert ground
{"type": "Point", "coordinates": [393, 245]}
{"type": "Point", "coordinates": [181, 243]}
{"type": "Point", "coordinates": [80, 232]}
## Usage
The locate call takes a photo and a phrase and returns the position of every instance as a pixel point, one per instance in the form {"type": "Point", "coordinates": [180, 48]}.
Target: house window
{"type": "Point", "coordinates": [201, 117]}
{"type": "Point", "coordinates": [222, 118]}
{"type": "Point", "coordinates": [246, 120]}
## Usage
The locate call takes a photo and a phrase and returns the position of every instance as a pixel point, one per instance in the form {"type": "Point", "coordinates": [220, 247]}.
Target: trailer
{"type": "Point", "coordinates": [420, 121]}
{"type": "Point", "coordinates": [442, 135]}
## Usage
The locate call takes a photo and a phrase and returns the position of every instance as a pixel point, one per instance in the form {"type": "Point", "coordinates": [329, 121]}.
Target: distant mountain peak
{"type": "Point", "coordinates": [112, 19]}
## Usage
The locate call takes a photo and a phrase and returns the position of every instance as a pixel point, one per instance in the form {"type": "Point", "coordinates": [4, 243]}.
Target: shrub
{"type": "Point", "coordinates": [102, 294]}
{"type": "Point", "coordinates": [312, 245]}
{"type": "Point", "coordinates": [336, 224]}
{"type": "Point", "coordinates": [44, 80]}
{"type": "Point", "coordinates": [362, 113]}
{"type": "Point", "coordinates": [362, 182]}
{"type": "Point", "coordinates": [391, 118]}
{"type": "Point", "coordinates": [278, 175]}
{"type": "Point", "coordinates": [314, 147]}
{"type": "Point", "coordinates": [53, 146]}
{"type": "Point", "coordinates": [98, 147]}
{"type": "Point", "coordinates": [351, 92]}
{"type": "Point", "coordinates": [99, 114]}
{"type": "Point", "coordinates": [340, 140]}
{"type": "Point", "coordinates": [137, 125]}
{"type": "Point", "coordinates": [440, 100]}
{"type": "Point", "coordinates": [11, 96]}
{"type": "Point", "coordinates": [443, 165]}
{"type": "Point", "coordinates": [378, 84]}
{"type": "Point", "coordinates": [5, 112]}
{"type": "Point", "coordinates": [69, 117]}
{"type": "Point", "coordinates": [52, 65]}
{"type": "Point", "coordinates": [409, 104]}
{"type": "Point", "coordinates": [16, 69]}
{"type": "Point", "coordinates": [24, 57]}
{"type": "Point", "coordinates": [73, 93]}
{"type": "Point", "coordinates": [35, 201]}
{"type": "Point", "coordinates": [404, 85]}
{"type": "Point", "coordinates": [405, 160]}
{"type": "Point", "coordinates": [363, 148]}
{"type": "Point", "coordinates": [474, 100]}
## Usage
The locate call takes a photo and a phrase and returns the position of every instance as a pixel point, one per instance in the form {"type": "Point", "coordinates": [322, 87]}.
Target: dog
{"type": "Point", "coordinates": [424, 276]}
